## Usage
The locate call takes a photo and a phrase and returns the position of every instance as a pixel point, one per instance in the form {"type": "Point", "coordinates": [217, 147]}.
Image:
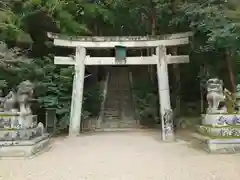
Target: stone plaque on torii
{"type": "Point", "coordinates": [161, 59]}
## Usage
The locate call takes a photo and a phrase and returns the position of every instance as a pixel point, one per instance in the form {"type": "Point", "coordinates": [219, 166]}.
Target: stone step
{"type": "Point", "coordinates": [124, 121]}
{"type": "Point", "coordinates": [118, 101]}
{"type": "Point", "coordinates": [118, 85]}
{"type": "Point", "coordinates": [118, 89]}
{"type": "Point", "coordinates": [118, 98]}
{"type": "Point", "coordinates": [111, 108]}
{"type": "Point", "coordinates": [112, 124]}
{"type": "Point", "coordinates": [112, 117]}
{"type": "Point", "coordinates": [137, 129]}
{"type": "Point", "coordinates": [107, 114]}
{"type": "Point", "coordinates": [114, 99]}
{"type": "Point", "coordinates": [109, 111]}
{"type": "Point", "coordinates": [113, 103]}
{"type": "Point", "coordinates": [115, 124]}
{"type": "Point", "coordinates": [116, 92]}
{"type": "Point", "coordinates": [107, 120]}
{"type": "Point", "coordinates": [116, 81]}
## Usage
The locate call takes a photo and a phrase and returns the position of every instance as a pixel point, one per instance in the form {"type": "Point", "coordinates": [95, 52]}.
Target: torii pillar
{"type": "Point", "coordinates": [164, 94]}
{"type": "Point", "coordinates": [77, 92]}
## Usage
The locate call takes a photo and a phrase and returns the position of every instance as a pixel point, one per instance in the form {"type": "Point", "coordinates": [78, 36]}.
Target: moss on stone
{"type": "Point", "coordinates": [219, 137]}
{"type": "Point", "coordinates": [119, 38]}
{"type": "Point", "coordinates": [225, 126]}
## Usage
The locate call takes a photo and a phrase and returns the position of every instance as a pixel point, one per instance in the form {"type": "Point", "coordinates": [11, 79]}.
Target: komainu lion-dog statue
{"type": "Point", "coordinates": [215, 96]}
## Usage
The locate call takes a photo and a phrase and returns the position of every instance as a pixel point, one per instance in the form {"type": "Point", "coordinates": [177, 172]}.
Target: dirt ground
{"type": "Point", "coordinates": [122, 156]}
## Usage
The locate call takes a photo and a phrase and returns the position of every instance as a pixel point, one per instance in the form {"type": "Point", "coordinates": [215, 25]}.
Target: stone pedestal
{"type": "Point", "coordinates": [21, 136]}
{"type": "Point", "coordinates": [216, 145]}
{"type": "Point", "coordinates": [219, 133]}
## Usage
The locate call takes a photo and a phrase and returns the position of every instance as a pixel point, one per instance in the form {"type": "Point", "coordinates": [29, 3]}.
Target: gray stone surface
{"type": "Point", "coordinates": [21, 134]}
{"type": "Point", "coordinates": [221, 119]}
{"type": "Point", "coordinates": [24, 142]}
{"type": "Point", "coordinates": [228, 145]}
{"type": "Point", "coordinates": [12, 121]}
{"type": "Point", "coordinates": [24, 148]}
{"type": "Point", "coordinates": [118, 110]}
{"type": "Point", "coordinates": [225, 131]}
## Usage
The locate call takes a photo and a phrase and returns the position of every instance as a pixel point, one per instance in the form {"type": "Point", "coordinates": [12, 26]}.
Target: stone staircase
{"type": "Point", "coordinates": [118, 109]}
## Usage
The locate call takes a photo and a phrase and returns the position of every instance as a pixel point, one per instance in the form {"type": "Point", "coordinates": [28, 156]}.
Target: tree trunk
{"type": "Point", "coordinates": [202, 99]}
{"type": "Point", "coordinates": [154, 21]}
{"type": "Point", "coordinates": [177, 74]}
{"type": "Point", "coordinates": [153, 33]}
{"type": "Point", "coordinates": [230, 69]}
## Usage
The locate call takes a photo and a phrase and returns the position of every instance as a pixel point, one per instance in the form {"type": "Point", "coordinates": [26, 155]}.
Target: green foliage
{"type": "Point", "coordinates": [11, 23]}
{"type": "Point", "coordinates": [210, 22]}
{"type": "Point", "coordinates": [3, 84]}
{"type": "Point", "coordinates": [53, 88]}
{"type": "Point", "coordinates": [214, 22]}
{"type": "Point", "coordinates": [146, 101]}
{"type": "Point", "coordinates": [92, 99]}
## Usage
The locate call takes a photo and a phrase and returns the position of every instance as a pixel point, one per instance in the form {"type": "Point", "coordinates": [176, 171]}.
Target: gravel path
{"type": "Point", "coordinates": [122, 156]}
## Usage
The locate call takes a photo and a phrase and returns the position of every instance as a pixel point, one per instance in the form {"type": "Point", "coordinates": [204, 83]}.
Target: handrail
{"type": "Point", "coordinates": [105, 88]}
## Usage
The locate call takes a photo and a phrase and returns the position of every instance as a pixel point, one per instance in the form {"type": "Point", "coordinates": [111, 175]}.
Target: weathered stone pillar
{"type": "Point", "coordinates": [164, 95]}
{"type": "Point", "coordinates": [77, 93]}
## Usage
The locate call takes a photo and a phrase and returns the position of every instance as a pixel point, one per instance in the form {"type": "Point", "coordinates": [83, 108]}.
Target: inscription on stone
{"type": "Point", "coordinates": [168, 123]}
{"type": "Point", "coordinates": [120, 61]}
{"type": "Point", "coordinates": [224, 120]}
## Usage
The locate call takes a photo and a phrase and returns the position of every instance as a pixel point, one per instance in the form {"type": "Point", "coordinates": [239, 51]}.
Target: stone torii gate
{"type": "Point", "coordinates": [161, 59]}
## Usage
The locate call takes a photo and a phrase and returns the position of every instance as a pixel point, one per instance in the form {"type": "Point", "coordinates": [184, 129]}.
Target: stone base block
{"type": "Point", "coordinates": [20, 134]}
{"type": "Point", "coordinates": [221, 131]}
{"type": "Point", "coordinates": [221, 119]}
{"type": "Point", "coordinates": [218, 145]}
{"type": "Point", "coordinates": [13, 121]}
{"type": "Point", "coordinates": [27, 148]}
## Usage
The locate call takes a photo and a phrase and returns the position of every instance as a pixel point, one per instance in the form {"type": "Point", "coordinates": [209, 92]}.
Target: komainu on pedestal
{"type": "Point", "coordinates": [219, 131]}
{"type": "Point", "coordinates": [20, 133]}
